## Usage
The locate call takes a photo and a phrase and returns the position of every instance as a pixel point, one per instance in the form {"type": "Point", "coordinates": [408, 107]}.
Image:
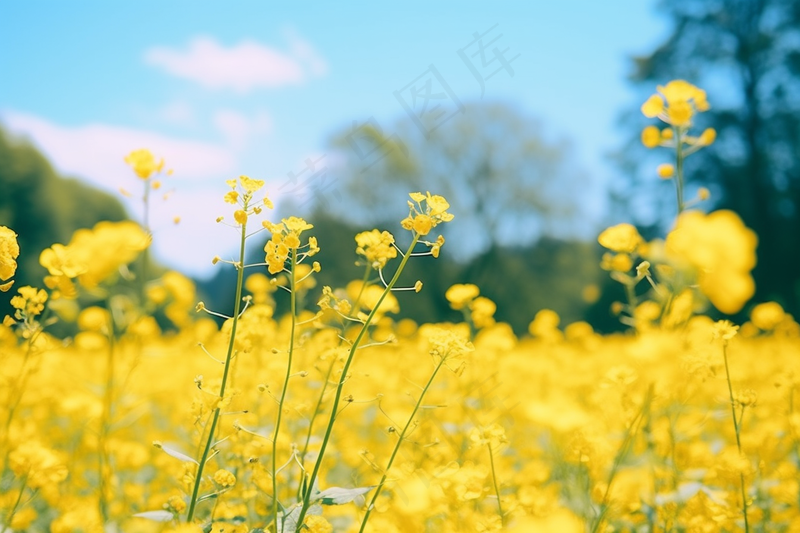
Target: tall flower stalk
{"type": "Point", "coordinates": [378, 248]}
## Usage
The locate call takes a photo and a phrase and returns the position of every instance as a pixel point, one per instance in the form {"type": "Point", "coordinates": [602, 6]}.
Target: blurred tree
{"type": "Point", "coordinates": [506, 183]}
{"type": "Point", "coordinates": [746, 54]}
{"type": "Point", "coordinates": [44, 208]}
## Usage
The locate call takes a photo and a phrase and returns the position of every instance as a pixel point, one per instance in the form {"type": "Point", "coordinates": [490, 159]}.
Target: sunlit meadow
{"type": "Point", "coordinates": [337, 417]}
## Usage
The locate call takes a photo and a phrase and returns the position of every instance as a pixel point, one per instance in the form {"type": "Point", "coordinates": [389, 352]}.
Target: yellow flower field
{"type": "Point", "coordinates": [337, 417]}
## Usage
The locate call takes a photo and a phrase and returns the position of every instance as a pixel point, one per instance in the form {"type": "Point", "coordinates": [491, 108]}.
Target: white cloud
{"type": "Point", "coordinates": [179, 113]}
{"type": "Point", "coordinates": [95, 152]}
{"type": "Point", "coordinates": [238, 129]}
{"type": "Point", "coordinates": [243, 67]}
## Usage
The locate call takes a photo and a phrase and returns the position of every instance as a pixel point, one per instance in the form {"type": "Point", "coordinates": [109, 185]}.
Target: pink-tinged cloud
{"type": "Point", "coordinates": [243, 67]}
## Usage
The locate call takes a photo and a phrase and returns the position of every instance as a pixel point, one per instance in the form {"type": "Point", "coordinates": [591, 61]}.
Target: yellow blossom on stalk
{"type": "Point", "coordinates": [285, 237]}
{"type": "Point", "coordinates": [493, 435]}
{"type": "Point", "coordinates": [676, 103]}
{"type": "Point", "coordinates": [665, 171]}
{"type": "Point", "coordinates": [40, 466]}
{"type": "Point", "coordinates": [376, 246]}
{"type": "Point", "coordinates": [224, 478]}
{"type": "Point", "coordinates": [30, 300]}
{"type": "Point", "coordinates": [105, 248]}
{"type": "Point", "coordinates": [421, 220]}
{"type": "Point", "coordinates": [460, 295]}
{"type": "Point", "coordinates": [622, 238]}
{"type": "Point", "coordinates": [651, 136]}
{"type": "Point", "coordinates": [724, 329]}
{"type": "Point", "coordinates": [250, 185]}
{"type": "Point", "coordinates": [144, 164]}
{"type": "Point", "coordinates": [708, 136]}
{"type": "Point", "coordinates": [721, 249]}
{"type": "Point", "coordinates": [9, 251]}
{"type": "Point", "coordinates": [317, 524]}
{"type": "Point", "coordinates": [767, 316]}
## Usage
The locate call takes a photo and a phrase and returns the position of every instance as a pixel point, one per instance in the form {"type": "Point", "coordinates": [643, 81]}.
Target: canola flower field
{"type": "Point", "coordinates": [337, 417]}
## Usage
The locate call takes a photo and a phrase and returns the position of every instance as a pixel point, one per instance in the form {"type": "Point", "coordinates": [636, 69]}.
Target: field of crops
{"type": "Point", "coordinates": [337, 417]}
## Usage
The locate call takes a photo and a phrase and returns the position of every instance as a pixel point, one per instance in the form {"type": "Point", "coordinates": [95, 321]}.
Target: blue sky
{"type": "Point", "coordinates": [257, 88]}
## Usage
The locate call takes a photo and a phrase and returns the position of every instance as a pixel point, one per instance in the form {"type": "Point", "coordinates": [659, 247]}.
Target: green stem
{"type": "Point", "coordinates": [293, 305]}
{"type": "Point", "coordinates": [145, 253]}
{"type": "Point", "coordinates": [397, 446]}
{"type": "Point", "coordinates": [311, 427]}
{"type": "Point", "coordinates": [105, 422]}
{"type": "Point", "coordinates": [13, 511]}
{"type": "Point", "coordinates": [633, 428]}
{"type": "Point", "coordinates": [215, 418]}
{"type": "Point", "coordinates": [496, 487]}
{"type": "Point", "coordinates": [679, 168]}
{"type": "Point", "coordinates": [340, 386]}
{"type": "Point", "coordinates": [736, 428]}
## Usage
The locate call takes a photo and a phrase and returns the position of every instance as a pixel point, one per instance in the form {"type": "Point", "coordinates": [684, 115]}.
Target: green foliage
{"type": "Point", "coordinates": [44, 208]}
{"type": "Point", "coordinates": [744, 52]}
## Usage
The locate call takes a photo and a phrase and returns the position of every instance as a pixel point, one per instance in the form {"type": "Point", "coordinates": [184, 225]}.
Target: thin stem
{"type": "Point", "coordinates": [293, 305]}
{"type": "Point", "coordinates": [627, 442]}
{"type": "Point", "coordinates": [736, 427]}
{"type": "Point", "coordinates": [105, 422]}
{"type": "Point", "coordinates": [311, 427]}
{"type": "Point", "coordinates": [679, 168]}
{"type": "Point", "coordinates": [340, 386]}
{"type": "Point", "coordinates": [215, 418]}
{"type": "Point", "coordinates": [496, 487]}
{"type": "Point", "coordinates": [400, 439]}
{"type": "Point", "coordinates": [145, 253]}
{"type": "Point", "coordinates": [13, 511]}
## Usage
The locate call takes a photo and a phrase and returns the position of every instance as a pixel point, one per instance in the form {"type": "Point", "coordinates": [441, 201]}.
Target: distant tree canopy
{"type": "Point", "coordinates": [746, 54]}
{"type": "Point", "coordinates": [507, 184]}
{"type": "Point", "coordinates": [42, 207]}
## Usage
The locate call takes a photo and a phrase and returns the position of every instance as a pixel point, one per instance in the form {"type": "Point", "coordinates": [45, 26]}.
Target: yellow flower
{"type": "Point", "coordinates": [680, 113]}
{"type": "Point", "coordinates": [376, 246]}
{"type": "Point", "coordinates": [653, 106]}
{"type": "Point", "coordinates": [9, 251]}
{"type": "Point", "coordinates": [224, 478]}
{"type": "Point", "coordinates": [422, 220]}
{"type": "Point", "coordinates": [677, 102]}
{"type": "Point", "coordinates": [724, 329]}
{"type": "Point", "coordinates": [460, 295]}
{"type": "Point", "coordinates": [651, 137]}
{"type": "Point", "coordinates": [620, 238]}
{"type": "Point", "coordinates": [423, 224]}
{"type": "Point", "coordinates": [317, 524]}
{"type": "Point", "coordinates": [143, 163]}
{"type": "Point", "coordinates": [250, 185]}
{"type": "Point", "coordinates": [665, 171]}
{"type": "Point", "coordinates": [231, 197]}
{"type": "Point", "coordinates": [767, 316]}
{"type": "Point", "coordinates": [240, 216]}
{"type": "Point", "coordinates": [30, 300]}
{"type": "Point", "coordinates": [708, 136]}
{"type": "Point", "coordinates": [721, 250]}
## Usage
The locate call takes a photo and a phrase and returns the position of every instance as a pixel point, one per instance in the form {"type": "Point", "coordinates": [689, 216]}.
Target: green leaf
{"type": "Point", "coordinates": [156, 516]}
{"type": "Point", "coordinates": [338, 495]}
{"type": "Point", "coordinates": [178, 455]}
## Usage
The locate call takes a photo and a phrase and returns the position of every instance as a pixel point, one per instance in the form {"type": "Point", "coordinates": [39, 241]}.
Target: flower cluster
{"type": "Point", "coordinates": [9, 251]}
{"type": "Point", "coordinates": [376, 246]}
{"type": "Point", "coordinates": [285, 239]}
{"type": "Point", "coordinates": [421, 220]}
{"type": "Point", "coordinates": [92, 256]}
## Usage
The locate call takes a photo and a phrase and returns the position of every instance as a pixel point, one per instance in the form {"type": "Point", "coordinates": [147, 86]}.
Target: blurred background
{"type": "Point", "coordinates": [524, 115]}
